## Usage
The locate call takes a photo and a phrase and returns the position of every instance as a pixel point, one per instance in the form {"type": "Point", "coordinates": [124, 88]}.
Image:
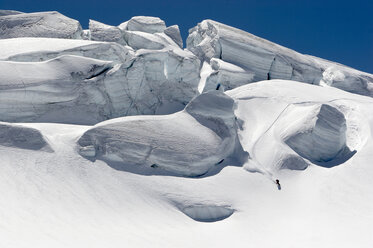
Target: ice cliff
{"type": "Point", "coordinates": [149, 71]}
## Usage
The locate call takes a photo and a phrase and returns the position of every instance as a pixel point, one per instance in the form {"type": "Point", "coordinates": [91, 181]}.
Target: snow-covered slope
{"type": "Point", "coordinates": [200, 173]}
{"type": "Point", "coordinates": [49, 198]}
{"type": "Point", "coordinates": [267, 60]}
{"type": "Point", "coordinates": [299, 124]}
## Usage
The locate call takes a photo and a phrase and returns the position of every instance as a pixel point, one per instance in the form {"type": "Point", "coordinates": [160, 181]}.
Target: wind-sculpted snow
{"type": "Point", "coordinates": [9, 12]}
{"type": "Point", "coordinates": [40, 49]}
{"type": "Point", "coordinates": [289, 125]}
{"type": "Point", "coordinates": [266, 60]}
{"type": "Point", "coordinates": [187, 143]}
{"type": "Point", "coordinates": [323, 135]}
{"type": "Point", "coordinates": [39, 24]}
{"type": "Point", "coordinates": [18, 136]}
{"type": "Point", "coordinates": [133, 84]}
{"type": "Point", "coordinates": [66, 89]}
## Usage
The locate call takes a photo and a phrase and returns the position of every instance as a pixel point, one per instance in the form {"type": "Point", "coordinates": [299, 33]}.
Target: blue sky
{"type": "Point", "coordinates": [340, 31]}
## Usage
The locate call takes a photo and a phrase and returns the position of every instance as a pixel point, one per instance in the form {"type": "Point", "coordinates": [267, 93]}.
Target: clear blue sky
{"type": "Point", "coordinates": [340, 31]}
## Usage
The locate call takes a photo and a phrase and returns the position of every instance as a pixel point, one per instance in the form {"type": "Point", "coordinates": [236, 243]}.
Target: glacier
{"type": "Point", "coordinates": [267, 60]}
{"type": "Point", "coordinates": [121, 136]}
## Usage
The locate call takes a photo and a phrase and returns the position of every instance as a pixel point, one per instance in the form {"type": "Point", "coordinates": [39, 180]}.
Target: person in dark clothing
{"type": "Point", "coordinates": [278, 184]}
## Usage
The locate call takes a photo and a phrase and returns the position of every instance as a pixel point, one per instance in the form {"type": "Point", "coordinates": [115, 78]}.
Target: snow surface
{"type": "Point", "coordinates": [40, 24]}
{"type": "Point", "coordinates": [202, 172]}
{"type": "Point", "coordinates": [188, 143]}
{"type": "Point", "coordinates": [267, 60]}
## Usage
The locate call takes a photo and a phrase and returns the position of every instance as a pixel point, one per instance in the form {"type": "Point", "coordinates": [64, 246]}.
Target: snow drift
{"type": "Point", "coordinates": [19, 136]}
{"type": "Point", "coordinates": [187, 143]}
{"type": "Point", "coordinates": [298, 125]}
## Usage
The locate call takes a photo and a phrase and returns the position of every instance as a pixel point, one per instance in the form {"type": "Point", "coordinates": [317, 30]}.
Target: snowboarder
{"type": "Point", "coordinates": [218, 87]}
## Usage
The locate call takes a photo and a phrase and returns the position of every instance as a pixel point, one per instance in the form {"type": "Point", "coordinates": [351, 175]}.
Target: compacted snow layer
{"type": "Point", "coordinates": [298, 124]}
{"type": "Point", "coordinates": [40, 49]}
{"type": "Point", "coordinates": [266, 60]}
{"type": "Point", "coordinates": [186, 143]}
{"type": "Point", "coordinates": [135, 83]}
{"type": "Point", "coordinates": [102, 32]}
{"type": "Point", "coordinates": [64, 89]}
{"type": "Point", "coordinates": [40, 24]}
{"type": "Point", "coordinates": [146, 24]}
{"type": "Point", "coordinates": [13, 135]}
{"type": "Point", "coordinates": [323, 135]}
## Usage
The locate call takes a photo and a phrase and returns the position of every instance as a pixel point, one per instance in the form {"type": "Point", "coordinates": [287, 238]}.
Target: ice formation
{"type": "Point", "coordinates": [41, 24]}
{"type": "Point", "coordinates": [187, 143]}
{"type": "Point", "coordinates": [102, 32]}
{"type": "Point", "coordinates": [267, 60]}
{"type": "Point", "coordinates": [294, 127]}
{"type": "Point", "coordinates": [18, 136]}
{"type": "Point", "coordinates": [126, 181]}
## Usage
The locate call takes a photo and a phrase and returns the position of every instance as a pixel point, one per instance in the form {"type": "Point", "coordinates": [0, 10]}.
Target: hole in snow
{"type": "Point", "coordinates": [208, 213]}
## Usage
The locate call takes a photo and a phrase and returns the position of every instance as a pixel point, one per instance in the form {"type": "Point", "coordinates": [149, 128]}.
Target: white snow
{"type": "Point", "coordinates": [187, 143]}
{"type": "Point", "coordinates": [40, 24]}
{"type": "Point", "coordinates": [201, 177]}
{"type": "Point", "coordinates": [102, 32]}
{"type": "Point", "coordinates": [267, 60]}
{"type": "Point", "coordinates": [146, 24]}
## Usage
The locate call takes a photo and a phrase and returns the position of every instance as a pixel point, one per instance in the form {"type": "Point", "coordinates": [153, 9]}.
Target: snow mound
{"type": "Point", "coordinates": [18, 136]}
{"type": "Point", "coordinates": [289, 125]}
{"type": "Point", "coordinates": [187, 143]}
{"type": "Point", "coordinates": [266, 60]}
{"type": "Point", "coordinates": [65, 89]}
{"type": "Point", "coordinates": [9, 12]}
{"type": "Point", "coordinates": [103, 32]}
{"type": "Point", "coordinates": [208, 213]}
{"type": "Point", "coordinates": [146, 24]}
{"type": "Point", "coordinates": [322, 137]}
{"type": "Point", "coordinates": [40, 49]}
{"type": "Point", "coordinates": [40, 24]}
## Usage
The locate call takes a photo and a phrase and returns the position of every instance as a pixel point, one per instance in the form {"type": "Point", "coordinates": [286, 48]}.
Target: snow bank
{"type": "Point", "coordinates": [322, 137]}
{"type": "Point", "coordinates": [289, 125]}
{"type": "Point", "coordinates": [187, 143]}
{"type": "Point", "coordinates": [18, 136]}
{"type": "Point", "coordinates": [40, 24]}
{"type": "Point", "coordinates": [267, 60]}
{"type": "Point", "coordinates": [40, 49]}
{"type": "Point", "coordinates": [65, 89]}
